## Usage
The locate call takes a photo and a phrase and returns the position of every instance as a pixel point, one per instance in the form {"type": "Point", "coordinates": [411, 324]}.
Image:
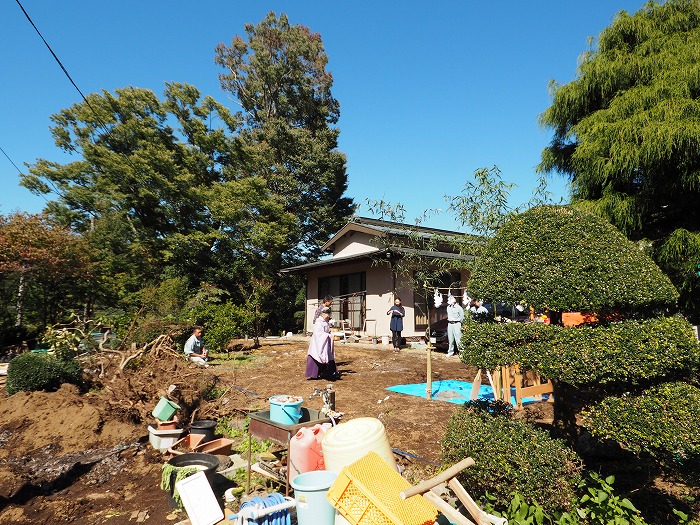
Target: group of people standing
{"type": "Point", "coordinates": [320, 360]}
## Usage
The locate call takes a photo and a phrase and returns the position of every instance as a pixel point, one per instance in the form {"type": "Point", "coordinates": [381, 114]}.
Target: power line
{"type": "Point", "coordinates": [8, 158]}
{"type": "Point", "coordinates": [65, 71]}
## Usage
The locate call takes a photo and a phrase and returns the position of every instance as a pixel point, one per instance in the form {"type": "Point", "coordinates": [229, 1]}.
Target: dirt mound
{"type": "Point", "coordinates": [65, 421]}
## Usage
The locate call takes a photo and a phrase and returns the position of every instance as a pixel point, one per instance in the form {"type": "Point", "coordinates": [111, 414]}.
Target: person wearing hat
{"type": "Point", "coordinates": [455, 316]}
{"type": "Point", "coordinates": [320, 358]}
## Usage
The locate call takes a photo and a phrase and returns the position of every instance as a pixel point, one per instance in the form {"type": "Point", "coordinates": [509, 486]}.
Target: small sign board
{"type": "Point", "coordinates": [200, 503]}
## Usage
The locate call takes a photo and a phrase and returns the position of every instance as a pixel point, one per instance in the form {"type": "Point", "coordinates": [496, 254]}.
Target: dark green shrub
{"type": "Point", "coordinates": [32, 372]}
{"type": "Point", "coordinates": [562, 259]}
{"type": "Point", "coordinates": [627, 351]}
{"type": "Point", "coordinates": [511, 455]}
{"type": "Point", "coordinates": [642, 423]}
{"type": "Point", "coordinates": [224, 322]}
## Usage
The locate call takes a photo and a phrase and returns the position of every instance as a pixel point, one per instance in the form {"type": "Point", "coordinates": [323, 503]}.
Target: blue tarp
{"type": "Point", "coordinates": [453, 391]}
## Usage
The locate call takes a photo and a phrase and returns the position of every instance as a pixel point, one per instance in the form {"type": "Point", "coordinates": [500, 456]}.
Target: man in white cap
{"type": "Point", "coordinates": [455, 316]}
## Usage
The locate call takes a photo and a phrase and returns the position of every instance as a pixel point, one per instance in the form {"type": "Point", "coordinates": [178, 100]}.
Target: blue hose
{"type": "Point", "coordinates": [281, 517]}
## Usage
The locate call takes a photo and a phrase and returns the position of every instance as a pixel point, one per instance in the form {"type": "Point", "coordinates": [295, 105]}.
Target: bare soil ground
{"type": "Point", "coordinates": [84, 457]}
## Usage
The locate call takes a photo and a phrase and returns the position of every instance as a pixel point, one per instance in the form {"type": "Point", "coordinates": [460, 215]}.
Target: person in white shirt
{"type": "Point", "coordinates": [455, 316]}
{"type": "Point", "coordinates": [194, 347]}
{"type": "Point", "coordinates": [477, 307]}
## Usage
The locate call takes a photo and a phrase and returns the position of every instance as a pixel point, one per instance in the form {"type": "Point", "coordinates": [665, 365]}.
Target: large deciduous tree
{"type": "Point", "coordinates": [183, 188]}
{"type": "Point", "coordinates": [44, 270]}
{"type": "Point", "coordinates": [138, 187]}
{"type": "Point", "coordinates": [627, 134]}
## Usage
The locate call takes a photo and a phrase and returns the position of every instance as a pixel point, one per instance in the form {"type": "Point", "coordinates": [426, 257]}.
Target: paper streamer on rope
{"type": "Point", "coordinates": [438, 298]}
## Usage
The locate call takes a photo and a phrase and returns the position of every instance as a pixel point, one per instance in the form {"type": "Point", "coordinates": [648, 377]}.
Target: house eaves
{"type": "Point", "coordinates": [379, 255]}
{"type": "Point", "coordinates": [382, 228]}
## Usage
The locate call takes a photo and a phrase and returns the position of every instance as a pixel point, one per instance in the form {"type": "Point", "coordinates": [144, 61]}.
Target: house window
{"type": "Point", "coordinates": [425, 305]}
{"type": "Point", "coordinates": [349, 297]}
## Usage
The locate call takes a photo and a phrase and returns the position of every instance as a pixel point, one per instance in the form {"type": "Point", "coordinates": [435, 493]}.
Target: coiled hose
{"type": "Point", "coordinates": [278, 517]}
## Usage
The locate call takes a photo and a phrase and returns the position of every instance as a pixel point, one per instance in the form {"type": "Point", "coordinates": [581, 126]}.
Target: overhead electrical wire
{"type": "Point", "coordinates": [11, 162]}
{"type": "Point", "coordinates": [102, 124]}
{"type": "Point", "coordinates": [65, 71]}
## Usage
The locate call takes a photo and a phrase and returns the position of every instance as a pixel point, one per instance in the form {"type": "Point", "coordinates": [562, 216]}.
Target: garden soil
{"type": "Point", "coordinates": [75, 456]}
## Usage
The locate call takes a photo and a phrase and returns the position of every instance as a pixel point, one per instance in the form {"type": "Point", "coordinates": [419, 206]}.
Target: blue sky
{"type": "Point", "coordinates": [429, 91]}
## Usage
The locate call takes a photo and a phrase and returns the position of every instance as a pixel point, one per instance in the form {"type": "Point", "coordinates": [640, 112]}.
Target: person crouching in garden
{"type": "Point", "coordinates": [320, 359]}
{"type": "Point", "coordinates": [195, 350]}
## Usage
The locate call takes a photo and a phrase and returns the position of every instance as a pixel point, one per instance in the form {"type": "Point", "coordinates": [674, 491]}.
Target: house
{"type": "Point", "coordinates": [372, 261]}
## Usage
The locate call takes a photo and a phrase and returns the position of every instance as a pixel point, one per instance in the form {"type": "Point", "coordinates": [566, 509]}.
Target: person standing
{"type": "Point", "coordinates": [455, 316]}
{"type": "Point", "coordinates": [320, 358]}
{"type": "Point", "coordinates": [326, 303]}
{"type": "Point", "coordinates": [194, 347]}
{"type": "Point", "coordinates": [397, 313]}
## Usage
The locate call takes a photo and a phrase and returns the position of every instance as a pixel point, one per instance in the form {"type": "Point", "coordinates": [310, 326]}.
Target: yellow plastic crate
{"type": "Point", "coordinates": [367, 492]}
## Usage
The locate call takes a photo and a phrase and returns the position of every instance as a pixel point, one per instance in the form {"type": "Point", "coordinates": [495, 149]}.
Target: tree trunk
{"type": "Point", "coordinates": [20, 300]}
{"type": "Point", "coordinates": [565, 412]}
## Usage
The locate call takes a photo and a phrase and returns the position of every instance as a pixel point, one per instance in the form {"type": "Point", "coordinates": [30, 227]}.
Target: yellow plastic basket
{"type": "Point", "coordinates": [367, 492]}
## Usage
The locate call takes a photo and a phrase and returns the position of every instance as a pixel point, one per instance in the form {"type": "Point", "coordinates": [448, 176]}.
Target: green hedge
{"type": "Point", "coordinates": [627, 351]}
{"type": "Point", "coordinates": [662, 421]}
{"type": "Point", "coordinates": [32, 372]}
{"type": "Point", "coordinates": [224, 322]}
{"type": "Point", "coordinates": [511, 456]}
{"type": "Point", "coordinates": [566, 260]}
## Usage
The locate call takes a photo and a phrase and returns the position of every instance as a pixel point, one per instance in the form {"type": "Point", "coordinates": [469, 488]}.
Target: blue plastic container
{"type": "Point", "coordinates": [285, 410]}
{"type": "Point", "coordinates": [310, 488]}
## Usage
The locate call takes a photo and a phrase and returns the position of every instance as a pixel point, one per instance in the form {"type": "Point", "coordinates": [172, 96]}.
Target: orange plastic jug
{"type": "Point", "coordinates": [305, 452]}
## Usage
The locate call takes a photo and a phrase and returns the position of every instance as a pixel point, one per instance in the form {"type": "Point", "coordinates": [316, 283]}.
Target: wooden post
{"type": "Point", "coordinates": [429, 364]}
{"type": "Point", "coordinates": [496, 384]}
{"type": "Point", "coordinates": [429, 372]}
{"type": "Point", "coordinates": [505, 383]}
{"type": "Point", "coordinates": [518, 386]}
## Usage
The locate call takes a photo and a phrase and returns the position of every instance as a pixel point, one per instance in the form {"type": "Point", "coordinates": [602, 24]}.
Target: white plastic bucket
{"type": "Point", "coordinates": [347, 442]}
{"type": "Point", "coordinates": [385, 339]}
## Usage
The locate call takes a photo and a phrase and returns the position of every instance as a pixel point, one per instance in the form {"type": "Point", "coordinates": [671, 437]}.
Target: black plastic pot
{"type": "Point", "coordinates": [207, 462]}
{"type": "Point", "coordinates": [203, 426]}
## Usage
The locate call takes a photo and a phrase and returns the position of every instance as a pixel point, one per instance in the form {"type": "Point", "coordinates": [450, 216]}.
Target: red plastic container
{"type": "Point", "coordinates": [305, 453]}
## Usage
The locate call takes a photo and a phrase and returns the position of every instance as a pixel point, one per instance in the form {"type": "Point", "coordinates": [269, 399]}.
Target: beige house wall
{"type": "Point", "coordinates": [354, 243]}
{"type": "Point", "coordinates": [379, 283]}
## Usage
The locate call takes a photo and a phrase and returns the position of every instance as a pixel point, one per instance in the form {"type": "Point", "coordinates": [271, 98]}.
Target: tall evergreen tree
{"type": "Point", "coordinates": [278, 77]}
{"type": "Point", "coordinates": [627, 134]}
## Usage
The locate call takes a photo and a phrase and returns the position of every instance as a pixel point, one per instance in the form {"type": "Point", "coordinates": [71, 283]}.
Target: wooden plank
{"type": "Point", "coordinates": [467, 501]}
{"type": "Point", "coordinates": [544, 388]}
{"type": "Point", "coordinates": [446, 509]}
{"type": "Point", "coordinates": [476, 385]}
{"type": "Point", "coordinates": [445, 475]}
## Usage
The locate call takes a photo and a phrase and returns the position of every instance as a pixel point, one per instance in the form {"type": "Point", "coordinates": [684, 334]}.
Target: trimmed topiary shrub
{"type": "Point", "coordinates": [511, 456]}
{"type": "Point", "coordinates": [32, 372]}
{"type": "Point", "coordinates": [623, 352]}
{"type": "Point", "coordinates": [641, 423]}
{"type": "Point", "coordinates": [561, 259]}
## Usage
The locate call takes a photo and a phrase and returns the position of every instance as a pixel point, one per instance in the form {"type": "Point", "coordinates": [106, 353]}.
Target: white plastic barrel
{"type": "Point", "coordinates": [347, 442]}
